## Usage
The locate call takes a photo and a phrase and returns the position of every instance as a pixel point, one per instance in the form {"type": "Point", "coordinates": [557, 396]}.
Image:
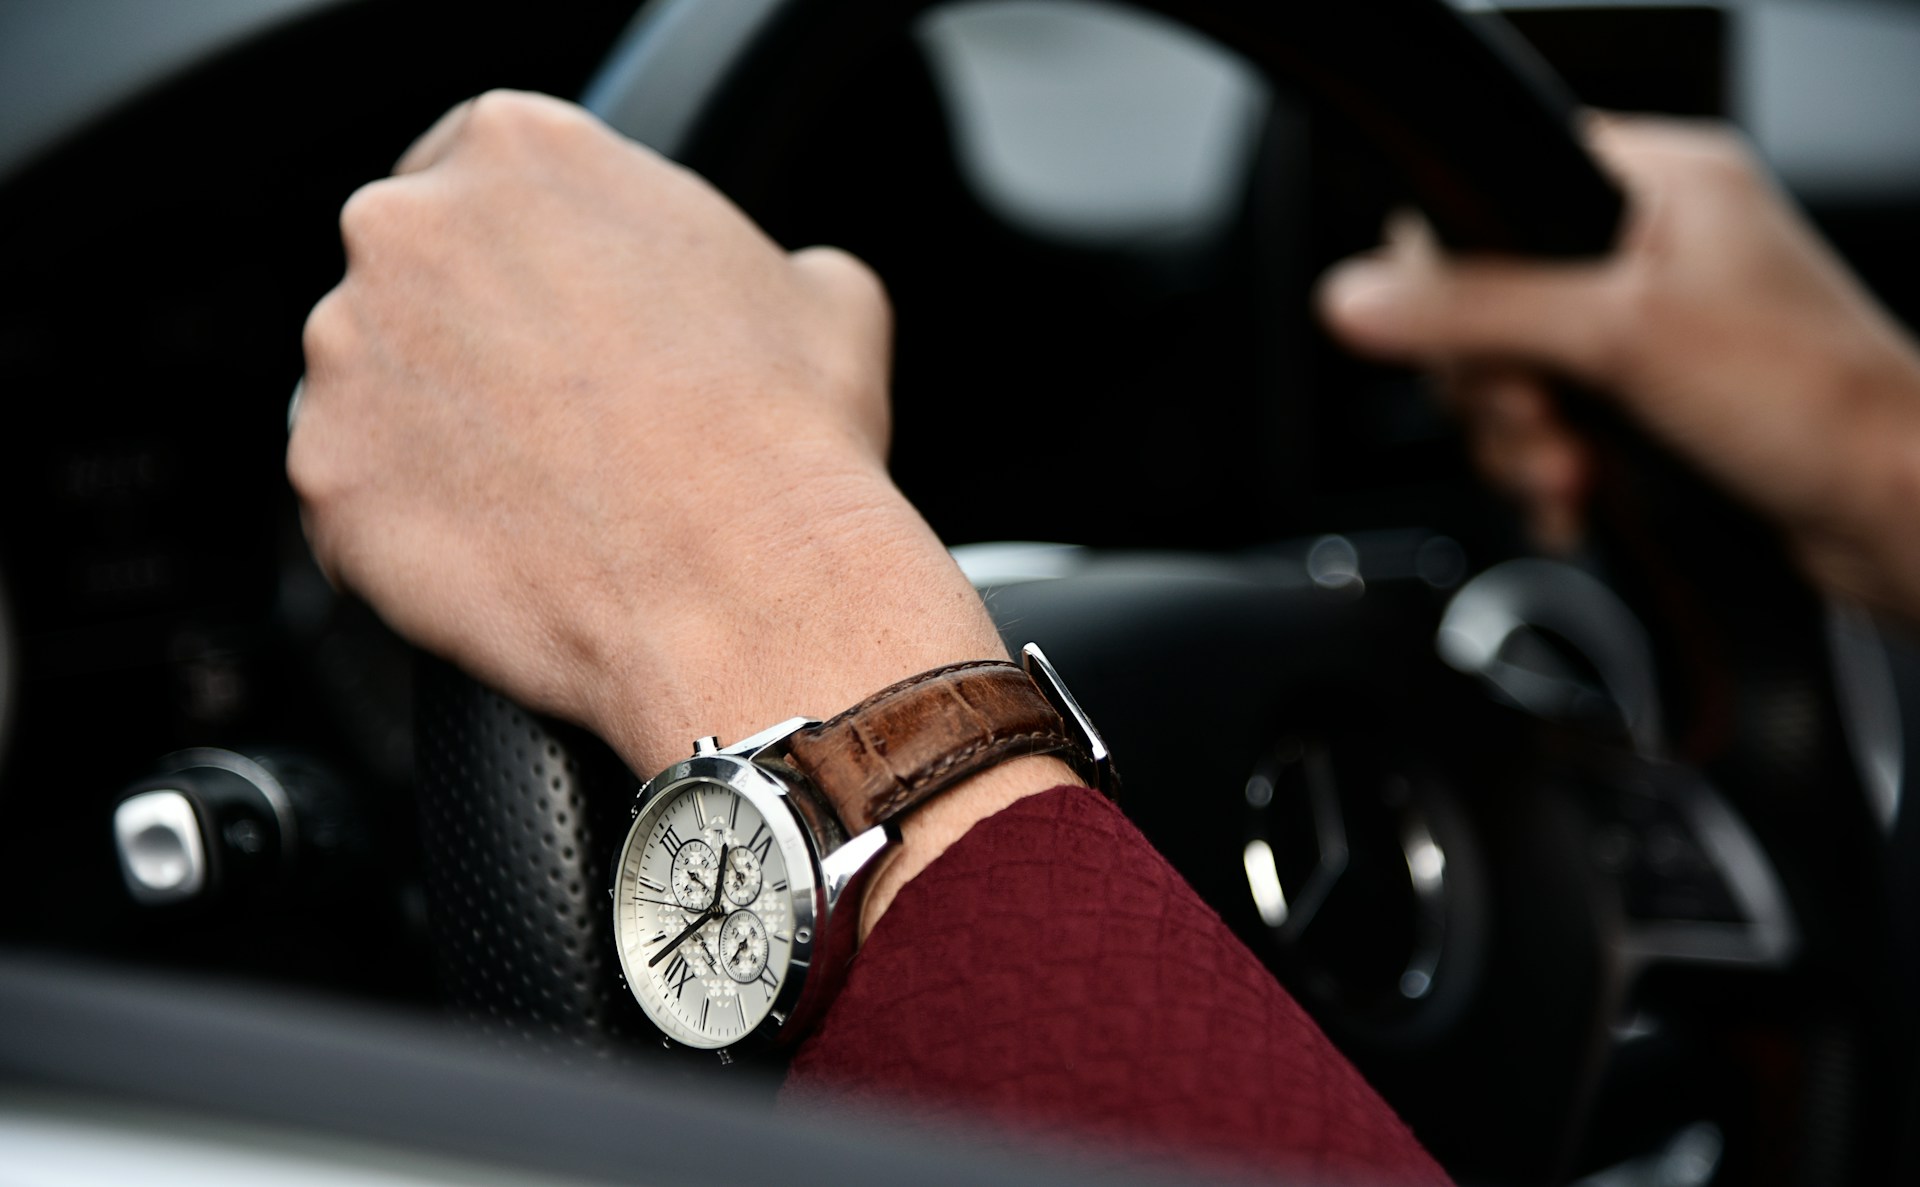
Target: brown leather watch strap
{"type": "Point", "coordinates": [891, 752]}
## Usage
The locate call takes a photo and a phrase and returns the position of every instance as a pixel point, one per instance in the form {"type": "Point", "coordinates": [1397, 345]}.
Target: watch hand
{"type": "Point", "coordinates": [660, 902]}
{"type": "Point", "coordinates": [705, 918]}
{"type": "Point", "coordinates": [711, 913]}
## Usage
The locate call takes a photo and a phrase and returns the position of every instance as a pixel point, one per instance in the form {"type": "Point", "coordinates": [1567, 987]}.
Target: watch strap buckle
{"type": "Point", "coordinates": [1091, 759]}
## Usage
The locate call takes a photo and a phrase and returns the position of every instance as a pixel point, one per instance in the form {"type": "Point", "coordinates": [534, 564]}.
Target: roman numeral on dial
{"type": "Point", "coordinates": [678, 974]}
{"type": "Point", "coordinates": [671, 840]}
{"type": "Point", "coordinates": [761, 847]}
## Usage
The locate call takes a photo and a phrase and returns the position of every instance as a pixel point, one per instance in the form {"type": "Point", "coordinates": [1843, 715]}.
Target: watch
{"type": "Point", "coordinates": [736, 897]}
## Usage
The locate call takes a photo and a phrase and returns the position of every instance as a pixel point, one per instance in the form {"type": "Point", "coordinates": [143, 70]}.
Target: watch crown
{"type": "Point", "coordinates": [706, 745]}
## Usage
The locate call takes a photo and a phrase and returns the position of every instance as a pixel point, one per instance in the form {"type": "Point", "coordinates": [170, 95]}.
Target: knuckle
{"type": "Point", "coordinates": [494, 110]}
{"type": "Point", "coordinates": [372, 213]}
{"type": "Point", "coordinates": [299, 464]}
{"type": "Point", "coordinates": [314, 461]}
{"type": "Point", "coordinates": [325, 325]}
{"type": "Point", "coordinates": [849, 279]}
{"type": "Point", "coordinates": [1730, 158]}
{"type": "Point", "coordinates": [506, 116]}
{"type": "Point", "coordinates": [1717, 153]}
{"type": "Point", "coordinates": [321, 479]}
{"type": "Point", "coordinates": [306, 472]}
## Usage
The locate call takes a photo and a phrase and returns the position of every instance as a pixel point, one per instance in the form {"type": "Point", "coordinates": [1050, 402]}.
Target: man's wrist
{"type": "Point", "coordinates": [1860, 544]}
{"type": "Point", "coordinates": [847, 604]}
{"type": "Point", "coordinates": [860, 597]}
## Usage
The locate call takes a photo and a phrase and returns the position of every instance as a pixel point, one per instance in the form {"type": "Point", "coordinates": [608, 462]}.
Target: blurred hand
{"type": "Point", "coordinates": [574, 423]}
{"type": "Point", "coordinates": [1721, 323]}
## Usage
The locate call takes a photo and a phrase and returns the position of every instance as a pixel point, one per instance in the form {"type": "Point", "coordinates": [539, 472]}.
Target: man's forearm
{"type": "Point", "coordinates": [1054, 975]}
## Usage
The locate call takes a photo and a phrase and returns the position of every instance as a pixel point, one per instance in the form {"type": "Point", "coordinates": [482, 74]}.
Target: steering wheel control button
{"type": "Point", "coordinates": [162, 857]}
{"type": "Point", "coordinates": [1695, 886]}
{"type": "Point", "coordinates": [224, 829]}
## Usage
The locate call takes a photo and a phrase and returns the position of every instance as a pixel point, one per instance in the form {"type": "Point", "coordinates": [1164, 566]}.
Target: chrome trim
{"type": "Point", "coordinates": [1333, 564]}
{"type": "Point", "coordinates": [1263, 881]}
{"type": "Point", "coordinates": [1869, 704]}
{"type": "Point", "coordinates": [754, 745]}
{"type": "Point", "coordinates": [1100, 773]}
{"type": "Point", "coordinates": [1578, 607]}
{"type": "Point", "coordinates": [1427, 873]}
{"type": "Point", "coordinates": [1768, 937]}
{"type": "Point", "coordinates": [154, 877]}
{"type": "Point", "coordinates": [1690, 1158]}
{"type": "Point", "coordinates": [839, 868]}
{"type": "Point", "coordinates": [1330, 836]}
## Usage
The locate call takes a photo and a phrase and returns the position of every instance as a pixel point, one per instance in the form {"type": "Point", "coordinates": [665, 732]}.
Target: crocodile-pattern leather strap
{"type": "Point", "coordinates": [891, 752]}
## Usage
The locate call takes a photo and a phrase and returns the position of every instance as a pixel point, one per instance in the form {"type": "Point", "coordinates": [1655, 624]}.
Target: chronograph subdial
{"type": "Point", "coordinates": [741, 878]}
{"type": "Point", "coordinates": [694, 869]}
{"type": "Point", "coordinates": [743, 946]}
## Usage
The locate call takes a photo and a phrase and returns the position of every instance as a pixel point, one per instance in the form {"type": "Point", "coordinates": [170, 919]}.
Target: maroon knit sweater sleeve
{"type": "Point", "coordinates": [1051, 973]}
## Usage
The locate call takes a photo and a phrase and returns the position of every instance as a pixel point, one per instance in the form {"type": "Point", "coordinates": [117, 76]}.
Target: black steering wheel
{"type": "Point", "coordinates": [522, 816]}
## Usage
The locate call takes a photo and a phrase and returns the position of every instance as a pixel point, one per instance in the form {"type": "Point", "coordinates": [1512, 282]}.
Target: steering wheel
{"type": "Point", "coordinates": [1724, 720]}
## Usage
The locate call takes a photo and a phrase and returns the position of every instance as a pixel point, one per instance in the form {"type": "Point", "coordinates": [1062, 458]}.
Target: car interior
{"type": "Point", "coordinates": [1598, 866]}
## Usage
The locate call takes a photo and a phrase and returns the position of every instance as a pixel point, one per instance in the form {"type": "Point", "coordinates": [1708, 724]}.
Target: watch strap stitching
{"type": "Point", "coordinates": [900, 686]}
{"type": "Point", "coordinates": [882, 808]}
{"type": "Point", "coordinates": [985, 710]}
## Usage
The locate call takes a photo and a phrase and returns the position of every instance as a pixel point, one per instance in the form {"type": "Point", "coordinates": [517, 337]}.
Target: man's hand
{"type": "Point", "coordinates": [1721, 323]}
{"type": "Point", "coordinates": [573, 422]}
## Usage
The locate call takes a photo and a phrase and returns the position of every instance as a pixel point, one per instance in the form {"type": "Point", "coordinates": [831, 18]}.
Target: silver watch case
{"type": "Point", "coordinates": [824, 867]}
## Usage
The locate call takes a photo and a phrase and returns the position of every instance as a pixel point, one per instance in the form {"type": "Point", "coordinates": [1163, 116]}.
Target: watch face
{"type": "Point", "coordinates": [704, 911]}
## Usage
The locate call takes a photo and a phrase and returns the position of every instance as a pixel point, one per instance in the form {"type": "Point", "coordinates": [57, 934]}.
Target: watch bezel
{"type": "Point", "coordinates": [771, 798]}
